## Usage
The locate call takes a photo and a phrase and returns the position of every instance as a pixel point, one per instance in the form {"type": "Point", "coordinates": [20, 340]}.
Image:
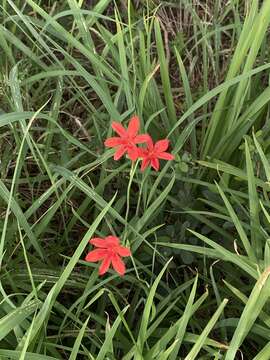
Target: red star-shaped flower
{"type": "Point", "coordinates": [110, 252]}
{"type": "Point", "coordinates": [127, 140]}
{"type": "Point", "coordinates": [154, 152]}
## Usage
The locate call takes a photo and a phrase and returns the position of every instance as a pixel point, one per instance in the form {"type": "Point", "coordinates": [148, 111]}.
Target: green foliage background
{"type": "Point", "coordinates": [197, 285]}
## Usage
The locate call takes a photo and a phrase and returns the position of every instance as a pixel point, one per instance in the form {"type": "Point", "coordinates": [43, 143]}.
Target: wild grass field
{"type": "Point", "coordinates": [189, 277]}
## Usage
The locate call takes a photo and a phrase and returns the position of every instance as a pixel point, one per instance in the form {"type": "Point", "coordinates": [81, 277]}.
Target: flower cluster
{"type": "Point", "coordinates": [128, 139]}
{"type": "Point", "coordinates": [108, 250]}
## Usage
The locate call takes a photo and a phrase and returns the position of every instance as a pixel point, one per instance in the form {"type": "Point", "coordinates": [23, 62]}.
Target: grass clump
{"type": "Point", "coordinates": [196, 283]}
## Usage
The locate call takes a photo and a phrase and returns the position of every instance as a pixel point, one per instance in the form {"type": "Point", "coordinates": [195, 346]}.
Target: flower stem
{"type": "Point", "coordinates": [131, 176]}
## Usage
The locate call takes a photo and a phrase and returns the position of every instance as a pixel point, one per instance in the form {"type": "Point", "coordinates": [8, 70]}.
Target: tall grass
{"type": "Point", "coordinates": [197, 285]}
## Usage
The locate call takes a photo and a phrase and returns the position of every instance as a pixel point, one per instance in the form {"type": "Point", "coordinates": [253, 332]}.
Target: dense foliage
{"type": "Point", "coordinates": [196, 285]}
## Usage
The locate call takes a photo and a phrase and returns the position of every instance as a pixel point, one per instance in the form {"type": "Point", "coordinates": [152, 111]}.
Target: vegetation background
{"type": "Point", "coordinates": [197, 285]}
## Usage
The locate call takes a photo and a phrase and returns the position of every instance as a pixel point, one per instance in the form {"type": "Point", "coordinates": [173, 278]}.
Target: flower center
{"type": "Point", "coordinates": [151, 154]}
{"type": "Point", "coordinates": [128, 142]}
{"type": "Point", "coordinates": [112, 251]}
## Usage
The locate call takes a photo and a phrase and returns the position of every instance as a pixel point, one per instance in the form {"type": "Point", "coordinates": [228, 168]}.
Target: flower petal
{"type": "Point", "coordinates": [140, 139]}
{"type": "Point", "coordinates": [162, 145]}
{"type": "Point", "coordinates": [133, 153]}
{"type": "Point", "coordinates": [155, 164]}
{"type": "Point", "coordinates": [123, 251]}
{"type": "Point", "coordinates": [105, 265]}
{"type": "Point", "coordinates": [150, 143]}
{"type": "Point", "coordinates": [118, 265]}
{"type": "Point", "coordinates": [111, 241]}
{"type": "Point", "coordinates": [120, 152]}
{"type": "Point", "coordinates": [165, 156]}
{"type": "Point", "coordinates": [145, 163]}
{"type": "Point", "coordinates": [133, 126]}
{"type": "Point", "coordinates": [113, 141]}
{"type": "Point", "coordinates": [119, 128]}
{"type": "Point", "coordinates": [96, 255]}
{"type": "Point", "coordinates": [98, 242]}
{"type": "Point", "coordinates": [142, 153]}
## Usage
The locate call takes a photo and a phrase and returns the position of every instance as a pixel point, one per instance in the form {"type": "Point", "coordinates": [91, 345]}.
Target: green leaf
{"type": "Point", "coordinates": [238, 226]}
{"type": "Point", "coordinates": [253, 206]}
{"type": "Point", "coordinates": [184, 323]}
{"type": "Point", "coordinates": [164, 72]}
{"type": "Point", "coordinates": [254, 305]}
{"type": "Point", "coordinates": [47, 306]}
{"type": "Point", "coordinates": [105, 349]}
{"type": "Point", "coordinates": [192, 355]}
{"type": "Point", "coordinates": [77, 344]}
{"type": "Point", "coordinates": [17, 316]}
{"type": "Point", "coordinates": [147, 310]}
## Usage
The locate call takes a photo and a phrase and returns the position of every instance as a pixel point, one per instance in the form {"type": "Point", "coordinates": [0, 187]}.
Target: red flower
{"type": "Point", "coordinates": [109, 251]}
{"type": "Point", "coordinates": [154, 152]}
{"type": "Point", "coordinates": [127, 140]}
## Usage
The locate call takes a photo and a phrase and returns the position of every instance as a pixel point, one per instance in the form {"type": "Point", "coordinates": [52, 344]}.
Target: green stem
{"type": "Point", "coordinates": [131, 176]}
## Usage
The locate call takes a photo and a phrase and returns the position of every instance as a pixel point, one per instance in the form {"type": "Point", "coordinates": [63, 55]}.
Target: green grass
{"type": "Point", "coordinates": [197, 284]}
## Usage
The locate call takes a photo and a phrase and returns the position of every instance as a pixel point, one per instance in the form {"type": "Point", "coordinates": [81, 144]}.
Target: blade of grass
{"type": "Point", "coordinates": [253, 206]}
{"type": "Point", "coordinates": [189, 100]}
{"type": "Point", "coordinates": [147, 309]}
{"type": "Point", "coordinates": [184, 323]}
{"type": "Point", "coordinates": [238, 226]}
{"type": "Point", "coordinates": [108, 340]}
{"type": "Point", "coordinates": [164, 72]}
{"type": "Point", "coordinates": [192, 355]}
{"type": "Point", "coordinates": [77, 344]}
{"type": "Point", "coordinates": [15, 317]}
{"type": "Point", "coordinates": [47, 306]}
{"type": "Point", "coordinates": [254, 305]}
{"type": "Point", "coordinates": [264, 354]}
